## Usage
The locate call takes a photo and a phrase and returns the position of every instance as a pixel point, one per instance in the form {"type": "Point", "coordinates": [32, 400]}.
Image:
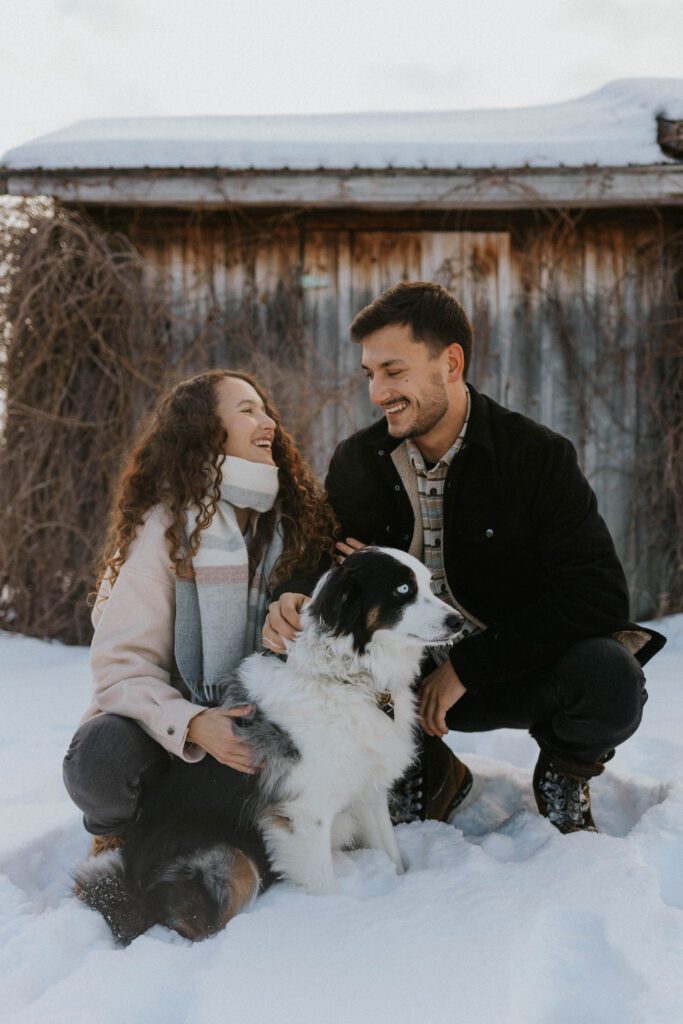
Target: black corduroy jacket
{"type": "Point", "coordinates": [525, 549]}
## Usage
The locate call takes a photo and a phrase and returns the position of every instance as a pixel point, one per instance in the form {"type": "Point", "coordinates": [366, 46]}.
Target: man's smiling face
{"type": "Point", "coordinates": [406, 380]}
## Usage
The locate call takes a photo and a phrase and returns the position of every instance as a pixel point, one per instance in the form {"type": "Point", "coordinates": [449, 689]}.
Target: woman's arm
{"type": "Point", "coordinates": [132, 654]}
{"type": "Point", "coordinates": [131, 657]}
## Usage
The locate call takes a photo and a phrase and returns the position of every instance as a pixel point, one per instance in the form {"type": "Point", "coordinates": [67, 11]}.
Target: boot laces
{"type": "Point", "coordinates": [566, 798]}
{"type": "Point", "coordinates": [406, 798]}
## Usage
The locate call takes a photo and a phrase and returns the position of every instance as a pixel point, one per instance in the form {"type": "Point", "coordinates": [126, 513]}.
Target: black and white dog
{"type": "Point", "coordinates": [334, 728]}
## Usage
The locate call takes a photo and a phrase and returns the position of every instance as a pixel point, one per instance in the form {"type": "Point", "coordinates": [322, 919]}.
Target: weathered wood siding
{"type": "Point", "coordinates": [559, 313]}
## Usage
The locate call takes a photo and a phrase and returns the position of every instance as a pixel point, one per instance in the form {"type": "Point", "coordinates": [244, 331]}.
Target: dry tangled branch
{"type": "Point", "coordinates": [90, 337]}
{"type": "Point", "coordinates": [660, 374]}
{"type": "Point", "coordinates": [627, 339]}
{"type": "Point", "coordinates": [87, 346]}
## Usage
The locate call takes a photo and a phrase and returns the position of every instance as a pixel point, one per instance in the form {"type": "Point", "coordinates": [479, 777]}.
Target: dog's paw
{"type": "Point", "coordinates": [321, 887]}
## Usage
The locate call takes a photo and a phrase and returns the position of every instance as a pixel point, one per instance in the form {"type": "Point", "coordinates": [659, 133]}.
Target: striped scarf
{"type": "Point", "coordinates": [219, 614]}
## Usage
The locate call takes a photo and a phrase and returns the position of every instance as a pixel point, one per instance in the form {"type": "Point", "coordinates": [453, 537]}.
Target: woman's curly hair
{"type": "Point", "coordinates": [177, 462]}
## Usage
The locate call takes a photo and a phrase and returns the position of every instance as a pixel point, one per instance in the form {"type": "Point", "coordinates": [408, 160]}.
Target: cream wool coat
{"type": "Point", "coordinates": [131, 655]}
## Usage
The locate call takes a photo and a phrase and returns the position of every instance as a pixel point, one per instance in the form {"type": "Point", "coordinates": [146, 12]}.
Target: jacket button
{"type": "Point", "coordinates": [406, 536]}
{"type": "Point", "coordinates": [171, 730]}
{"type": "Point", "coordinates": [380, 451]}
{"type": "Point", "coordinates": [489, 532]}
{"type": "Point", "coordinates": [397, 487]}
{"type": "Point", "coordinates": [389, 528]}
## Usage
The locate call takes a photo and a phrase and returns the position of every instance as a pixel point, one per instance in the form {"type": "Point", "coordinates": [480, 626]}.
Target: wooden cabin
{"type": "Point", "coordinates": [558, 228]}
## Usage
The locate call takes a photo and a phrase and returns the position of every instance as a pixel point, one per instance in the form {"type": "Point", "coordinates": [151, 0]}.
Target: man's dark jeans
{"type": "Point", "coordinates": [108, 765]}
{"type": "Point", "coordinates": [580, 708]}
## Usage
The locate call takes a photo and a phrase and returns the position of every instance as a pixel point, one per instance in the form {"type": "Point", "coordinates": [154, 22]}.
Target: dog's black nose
{"type": "Point", "coordinates": [453, 622]}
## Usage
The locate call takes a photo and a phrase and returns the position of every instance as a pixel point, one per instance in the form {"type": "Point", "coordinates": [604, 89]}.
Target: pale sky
{"type": "Point", "coordinates": [66, 60]}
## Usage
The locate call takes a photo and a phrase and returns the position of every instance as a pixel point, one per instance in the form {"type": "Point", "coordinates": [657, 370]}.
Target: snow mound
{"type": "Point", "coordinates": [499, 918]}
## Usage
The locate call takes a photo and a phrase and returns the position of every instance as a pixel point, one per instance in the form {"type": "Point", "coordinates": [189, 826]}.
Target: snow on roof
{"type": "Point", "coordinates": [615, 126]}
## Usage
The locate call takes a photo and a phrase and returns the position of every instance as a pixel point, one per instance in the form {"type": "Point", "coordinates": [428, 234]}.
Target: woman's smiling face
{"type": "Point", "coordinates": [250, 429]}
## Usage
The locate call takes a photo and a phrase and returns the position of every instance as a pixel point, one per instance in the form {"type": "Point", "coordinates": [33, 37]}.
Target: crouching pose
{"type": "Point", "coordinates": [497, 508]}
{"type": "Point", "coordinates": [215, 508]}
{"type": "Point", "coordinates": [333, 727]}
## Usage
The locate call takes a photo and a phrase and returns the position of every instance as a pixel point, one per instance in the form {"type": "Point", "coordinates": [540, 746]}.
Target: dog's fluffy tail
{"type": "Point", "coordinates": [196, 894]}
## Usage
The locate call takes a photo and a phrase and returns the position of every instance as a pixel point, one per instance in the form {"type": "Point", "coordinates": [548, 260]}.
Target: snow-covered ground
{"type": "Point", "coordinates": [499, 919]}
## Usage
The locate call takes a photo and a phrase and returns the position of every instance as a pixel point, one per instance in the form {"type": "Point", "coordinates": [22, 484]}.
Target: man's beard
{"type": "Point", "coordinates": [433, 406]}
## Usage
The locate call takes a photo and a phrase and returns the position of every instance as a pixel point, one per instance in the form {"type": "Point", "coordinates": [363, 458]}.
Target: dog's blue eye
{"type": "Point", "coordinates": [403, 588]}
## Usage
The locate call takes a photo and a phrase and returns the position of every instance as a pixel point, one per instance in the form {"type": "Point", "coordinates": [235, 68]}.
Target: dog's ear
{"type": "Point", "coordinates": [101, 884]}
{"type": "Point", "coordinates": [339, 606]}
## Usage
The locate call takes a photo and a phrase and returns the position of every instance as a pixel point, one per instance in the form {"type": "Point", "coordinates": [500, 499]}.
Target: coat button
{"type": "Point", "coordinates": [171, 730]}
{"type": "Point", "coordinates": [380, 451]}
{"type": "Point", "coordinates": [489, 532]}
{"type": "Point", "coordinates": [397, 487]}
{"type": "Point", "coordinates": [406, 536]}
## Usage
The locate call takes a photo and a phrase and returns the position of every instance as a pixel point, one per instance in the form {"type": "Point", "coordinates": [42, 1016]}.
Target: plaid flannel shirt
{"type": "Point", "coordinates": [430, 486]}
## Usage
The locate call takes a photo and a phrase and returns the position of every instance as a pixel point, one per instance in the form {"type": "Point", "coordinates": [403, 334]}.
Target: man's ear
{"type": "Point", "coordinates": [456, 362]}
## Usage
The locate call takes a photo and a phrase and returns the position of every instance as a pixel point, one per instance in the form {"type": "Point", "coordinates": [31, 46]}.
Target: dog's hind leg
{"type": "Point", "coordinates": [301, 851]}
{"type": "Point", "coordinates": [375, 828]}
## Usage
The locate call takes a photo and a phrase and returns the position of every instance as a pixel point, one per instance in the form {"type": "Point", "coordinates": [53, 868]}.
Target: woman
{"type": "Point", "coordinates": [214, 509]}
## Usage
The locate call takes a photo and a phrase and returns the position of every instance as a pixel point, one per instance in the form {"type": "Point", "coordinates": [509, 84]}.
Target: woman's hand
{"type": "Point", "coordinates": [212, 730]}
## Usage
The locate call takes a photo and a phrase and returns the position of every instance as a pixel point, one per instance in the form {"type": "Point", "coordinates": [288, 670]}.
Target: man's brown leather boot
{"type": "Point", "coordinates": [562, 793]}
{"type": "Point", "coordinates": [433, 787]}
{"type": "Point", "coordinates": [103, 844]}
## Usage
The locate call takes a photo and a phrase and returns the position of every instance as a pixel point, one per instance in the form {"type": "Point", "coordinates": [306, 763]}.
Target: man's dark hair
{"type": "Point", "coordinates": [431, 312]}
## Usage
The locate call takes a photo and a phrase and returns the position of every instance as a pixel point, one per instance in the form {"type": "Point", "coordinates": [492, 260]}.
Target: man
{"type": "Point", "coordinates": [497, 507]}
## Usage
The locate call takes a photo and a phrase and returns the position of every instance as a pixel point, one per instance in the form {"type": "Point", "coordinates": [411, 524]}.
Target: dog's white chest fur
{"type": "Point", "coordinates": [346, 741]}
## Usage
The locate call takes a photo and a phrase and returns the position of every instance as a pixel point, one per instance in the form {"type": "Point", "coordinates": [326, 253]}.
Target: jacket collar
{"type": "Point", "coordinates": [478, 429]}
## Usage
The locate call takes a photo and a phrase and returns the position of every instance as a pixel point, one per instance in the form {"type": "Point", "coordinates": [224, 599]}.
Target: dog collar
{"type": "Point", "coordinates": [385, 702]}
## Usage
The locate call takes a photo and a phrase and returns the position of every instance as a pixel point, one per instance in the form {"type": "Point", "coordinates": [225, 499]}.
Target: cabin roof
{"type": "Point", "coordinates": [596, 151]}
{"type": "Point", "coordinates": [615, 127]}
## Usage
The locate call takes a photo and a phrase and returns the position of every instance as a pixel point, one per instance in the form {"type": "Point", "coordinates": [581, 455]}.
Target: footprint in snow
{"type": "Point", "coordinates": [502, 801]}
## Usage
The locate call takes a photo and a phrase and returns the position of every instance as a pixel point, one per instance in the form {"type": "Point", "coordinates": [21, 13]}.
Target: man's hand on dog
{"type": "Point", "coordinates": [212, 730]}
{"type": "Point", "coordinates": [439, 692]}
{"type": "Point", "coordinates": [283, 621]}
